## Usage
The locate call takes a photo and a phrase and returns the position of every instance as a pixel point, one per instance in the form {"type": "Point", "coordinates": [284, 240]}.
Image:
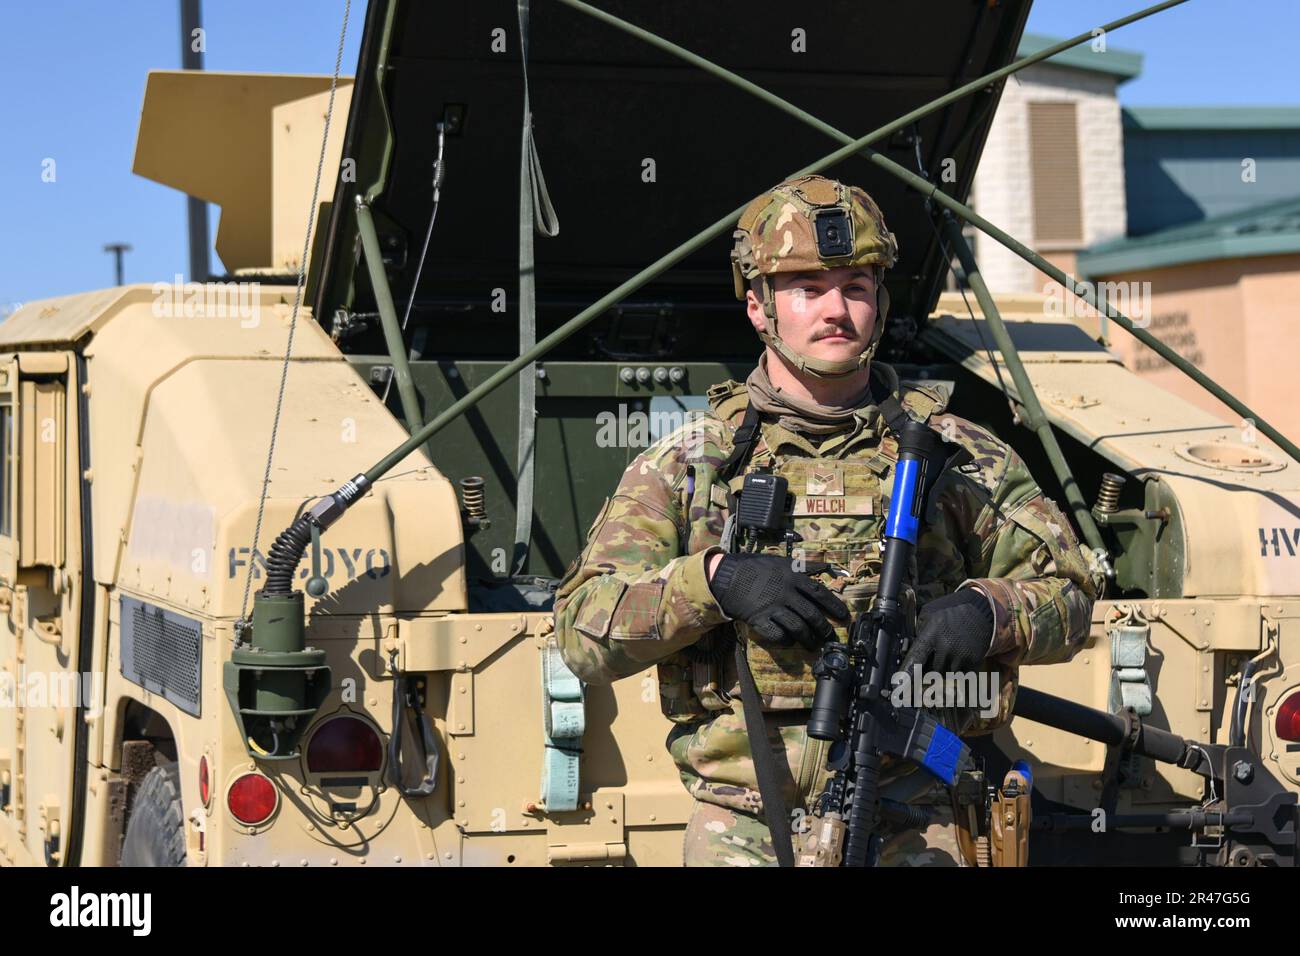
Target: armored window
{"type": "Point", "coordinates": [1054, 172]}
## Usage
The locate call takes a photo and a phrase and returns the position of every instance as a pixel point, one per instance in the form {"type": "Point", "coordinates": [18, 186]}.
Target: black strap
{"type": "Point", "coordinates": [765, 762]}
{"type": "Point", "coordinates": [744, 439]}
{"type": "Point", "coordinates": [946, 454]}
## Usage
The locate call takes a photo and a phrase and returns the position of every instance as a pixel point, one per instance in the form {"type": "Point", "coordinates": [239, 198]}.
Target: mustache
{"type": "Point", "coordinates": [836, 330]}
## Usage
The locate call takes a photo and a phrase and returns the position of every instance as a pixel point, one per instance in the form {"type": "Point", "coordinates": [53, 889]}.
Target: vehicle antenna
{"type": "Point", "coordinates": [293, 319]}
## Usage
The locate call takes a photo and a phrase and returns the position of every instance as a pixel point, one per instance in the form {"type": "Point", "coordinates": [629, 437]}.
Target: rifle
{"type": "Point", "coordinates": [851, 706]}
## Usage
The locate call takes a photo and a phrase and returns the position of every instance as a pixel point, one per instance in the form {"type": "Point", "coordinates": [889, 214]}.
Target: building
{"type": "Point", "coordinates": [1189, 216]}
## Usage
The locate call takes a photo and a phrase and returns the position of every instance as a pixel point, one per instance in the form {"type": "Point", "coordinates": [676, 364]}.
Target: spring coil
{"type": "Point", "coordinates": [471, 493]}
{"type": "Point", "coordinates": [286, 552]}
{"type": "Point", "coordinates": [1108, 495]}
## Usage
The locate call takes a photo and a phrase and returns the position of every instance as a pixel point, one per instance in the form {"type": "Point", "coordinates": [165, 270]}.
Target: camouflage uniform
{"type": "Point", "coordinates": [638, 594]}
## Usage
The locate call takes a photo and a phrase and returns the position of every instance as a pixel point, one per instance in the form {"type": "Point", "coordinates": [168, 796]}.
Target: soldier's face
{"type": "Point", "coordinates": [828, 314]}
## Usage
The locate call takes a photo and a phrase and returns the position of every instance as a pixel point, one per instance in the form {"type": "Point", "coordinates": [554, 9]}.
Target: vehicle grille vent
{"type": "Point", "coordinates": [162, 652]}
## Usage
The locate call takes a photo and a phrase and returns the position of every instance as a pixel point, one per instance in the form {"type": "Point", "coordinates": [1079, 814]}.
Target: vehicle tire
{"type": "Point", "coordinates": [155, 833]}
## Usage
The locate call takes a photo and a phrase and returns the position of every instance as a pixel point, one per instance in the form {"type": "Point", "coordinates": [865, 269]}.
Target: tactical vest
{"type": "Point", "coordinates": [837, 511]}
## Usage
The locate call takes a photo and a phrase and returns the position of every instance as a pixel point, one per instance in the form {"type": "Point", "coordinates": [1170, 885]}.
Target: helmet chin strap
{"type": "Point", "coordinates": [808, 364]}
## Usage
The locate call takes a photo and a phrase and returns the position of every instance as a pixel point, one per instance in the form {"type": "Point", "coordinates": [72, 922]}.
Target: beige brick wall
{"type": "Point", "coordinates": [1003, 191]}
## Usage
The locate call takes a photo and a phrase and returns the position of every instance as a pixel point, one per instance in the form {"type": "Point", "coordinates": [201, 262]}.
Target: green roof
{"type": "Point", "coordinates": [1125, 64]}
{"type": "Point", "coordinates": [1211, 117]}
{"type": "Point", "coordinates": [1271, 229]}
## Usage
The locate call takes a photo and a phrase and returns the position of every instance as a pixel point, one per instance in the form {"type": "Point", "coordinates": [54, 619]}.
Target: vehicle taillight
{"type": "Point", "coordinates": [1288, 718]}
{"type": "Point", "coordinates": [251, 799]}
{"type": "Point", "coordinates": [205, 789]}
{"type": "Point", "coordinates": [344, 744]}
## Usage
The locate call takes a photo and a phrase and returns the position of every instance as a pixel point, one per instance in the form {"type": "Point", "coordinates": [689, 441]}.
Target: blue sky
{"type": "Point", "coordinates": [73, 75]}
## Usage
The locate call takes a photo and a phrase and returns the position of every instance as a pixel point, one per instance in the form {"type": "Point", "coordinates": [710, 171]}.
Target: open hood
{"type": "Point", "coordinates": [640, 151]}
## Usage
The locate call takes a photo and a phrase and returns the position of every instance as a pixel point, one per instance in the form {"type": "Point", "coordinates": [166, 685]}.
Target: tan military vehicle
{"type": "Point", "coordinates": [377, 686]}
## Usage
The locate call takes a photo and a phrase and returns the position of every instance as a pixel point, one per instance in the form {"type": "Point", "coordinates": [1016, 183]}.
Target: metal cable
{"type": "Point", "coordinates": [439, 174]}
{"type": "Point", "coordinates": [293, 319]}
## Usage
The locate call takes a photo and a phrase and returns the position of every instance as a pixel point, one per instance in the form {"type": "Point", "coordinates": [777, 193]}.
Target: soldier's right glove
{"type": "Point", "coordinates": [781, 604]}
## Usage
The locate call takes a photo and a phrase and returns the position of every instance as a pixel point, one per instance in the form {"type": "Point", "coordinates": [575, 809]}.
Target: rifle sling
{"type": "Point", "coordinates": [765, 762]}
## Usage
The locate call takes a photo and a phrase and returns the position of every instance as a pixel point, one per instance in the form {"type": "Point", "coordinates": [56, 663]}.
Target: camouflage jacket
{"type": "Point", "coordinates": [638, 594]}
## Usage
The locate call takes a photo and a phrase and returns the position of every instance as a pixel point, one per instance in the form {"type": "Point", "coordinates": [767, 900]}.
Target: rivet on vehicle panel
{"type": "Point", "coordinates": [1206, 622]}
{"type": "Point", "coordinates": [653, 818]}
{"type": "Point", "coordinates": [275, 862]}
{"type": "Point", "coordinates": [460, 756]}
{"type": "Point", "coordinates": [613, 819]}
{"type": "Point", "coordinates": [460, 803]}
{"type": "Point", "coordinates": [251, 830]}
{"type": "Point", "coordinates": [1205, 703]}
{"type": "Point", "coordinates": [460, 726]}
{"type": "Point", "coordinates": [1192, 612]}
{"type": "Point", "coordinates": [361, 862]}
{"type": "Point", "coordinates": [397, 859]}
{"type": "Point", "coordinates": [460, 779]}
{"type": "Point", "coordinates": [1205, 667]}
{"type": "Point", "coordinates": [302, 862]}
{"type": "Point", "coordinates": [478, 627]}
{"type": "Point", "coordinates": [609, 806]}
{"type": "Point", "coordinates": [462, 690]}
{"type": "Point", "coordinates": [649, 757]}
{"type": "Point", "coordinates": [334, 861]}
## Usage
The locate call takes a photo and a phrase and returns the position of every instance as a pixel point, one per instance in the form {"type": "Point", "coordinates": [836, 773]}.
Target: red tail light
{"type": "Point", "coordinates": [251, 799]}
{"type": "Point", "coordinates": [344, 744]}
{"type": "Point", "coordinates": [1288, 718]}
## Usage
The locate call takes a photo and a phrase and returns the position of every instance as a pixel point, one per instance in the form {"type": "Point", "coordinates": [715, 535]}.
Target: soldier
{"type": "Point", "coordinates": [999, 578]}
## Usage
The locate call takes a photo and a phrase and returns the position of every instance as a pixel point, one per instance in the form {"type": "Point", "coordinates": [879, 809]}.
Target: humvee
{"type": "Point", "coordinates": [231, 638]}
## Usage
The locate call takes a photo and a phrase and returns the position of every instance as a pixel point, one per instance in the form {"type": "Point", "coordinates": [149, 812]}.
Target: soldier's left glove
{"type": "Point", "coordinates": [954, 633]}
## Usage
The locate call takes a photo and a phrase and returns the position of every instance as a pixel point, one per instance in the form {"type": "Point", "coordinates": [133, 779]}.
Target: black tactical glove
{"type": "Point", "coordinates": [954, 634]}
{"type": "Point", "coordinates": [781, 604]}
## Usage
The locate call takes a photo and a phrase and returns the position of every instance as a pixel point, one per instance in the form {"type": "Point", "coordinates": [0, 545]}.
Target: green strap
{"type": "Point", "coordinates": [564, 721]}
{"type": "Point", "coordinates": [535, 212]}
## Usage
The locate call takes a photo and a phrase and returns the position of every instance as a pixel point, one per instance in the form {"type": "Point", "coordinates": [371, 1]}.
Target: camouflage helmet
{"type": "Point", "coordinates": [803, 225]}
